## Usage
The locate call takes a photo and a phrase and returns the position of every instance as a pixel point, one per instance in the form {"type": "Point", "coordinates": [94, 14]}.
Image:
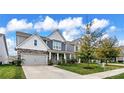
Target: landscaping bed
{"type": "Point", "coordinates": [11, 72]}
{"type": "Point", "coordinates": [84, 69]}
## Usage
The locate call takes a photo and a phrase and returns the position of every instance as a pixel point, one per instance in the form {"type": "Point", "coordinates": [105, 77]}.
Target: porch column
{"type": "Point", "coordinates": [74, 56]}
{"type": "Point", "coordinates": [49, 55]}
{"type": "Point", "coordinates": [65, 57]}
{"type": "Point", "coordinates": [70, 56]}
{"type": "Point", "coordinates": [57, 56]}
{"type": "Point", "coordinates": [79, 61]}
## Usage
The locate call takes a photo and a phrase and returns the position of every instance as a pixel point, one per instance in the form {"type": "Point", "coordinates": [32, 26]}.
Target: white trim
{"type": "Point", "coordinates": [49, 55]}
{"type": "Point", "coordinates": [57, 56]}
{"type": "Point", "coordinates": [70, 56]}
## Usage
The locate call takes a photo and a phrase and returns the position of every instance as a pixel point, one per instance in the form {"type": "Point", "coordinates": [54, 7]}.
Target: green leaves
{"type": "Point", "coordinates": [94, 47]}
{"type": "Point", "coordinates": [108, 49]}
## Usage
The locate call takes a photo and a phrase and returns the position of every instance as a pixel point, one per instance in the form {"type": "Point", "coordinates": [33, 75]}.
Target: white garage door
{"type": "Point", "coordinates": [34, 59]}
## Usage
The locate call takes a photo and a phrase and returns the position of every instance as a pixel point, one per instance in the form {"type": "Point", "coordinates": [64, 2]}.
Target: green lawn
{"type": "Point", "coordinates": [11, 72]}
{"type": "Point", "coordinates": [81, 68]}
{"type": "Point", "coordinates": [120, 76]}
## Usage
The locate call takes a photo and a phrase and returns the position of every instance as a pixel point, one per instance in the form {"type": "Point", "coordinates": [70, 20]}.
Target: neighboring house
{"type": "Point", "coordinates": [3, 50]}
{"type": "Point", "coordinates": [35, 49]}
{"type": "Point", "coordinates": [77, 44]}
{"type": "Point", "coordinates": [121, 57]}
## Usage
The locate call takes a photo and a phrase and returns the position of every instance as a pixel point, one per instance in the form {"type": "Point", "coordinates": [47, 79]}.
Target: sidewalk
{"type": "Point", "coordinates": [116, 64]}
{"type": "Point", "coordinates": [102, 75]}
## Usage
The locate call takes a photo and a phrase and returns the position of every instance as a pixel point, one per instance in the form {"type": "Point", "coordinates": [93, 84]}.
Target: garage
{"type": "Point", "coordinates": [37, 59]}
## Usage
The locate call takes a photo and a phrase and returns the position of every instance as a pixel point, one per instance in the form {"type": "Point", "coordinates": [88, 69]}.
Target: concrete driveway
{"type": "Point", "coordinates": [48, 72]}
{"type": "Point", "coordinates": [51, 72]}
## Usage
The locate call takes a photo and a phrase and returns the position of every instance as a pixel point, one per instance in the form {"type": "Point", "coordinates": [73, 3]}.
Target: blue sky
{"type": "Point", "coordinates": [69, 25]}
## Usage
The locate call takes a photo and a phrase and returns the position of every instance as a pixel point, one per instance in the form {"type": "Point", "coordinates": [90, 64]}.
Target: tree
{"type": "Point", "coordinates": [89, 42]}
{"type": "Point", "coordinates": [107, 49]}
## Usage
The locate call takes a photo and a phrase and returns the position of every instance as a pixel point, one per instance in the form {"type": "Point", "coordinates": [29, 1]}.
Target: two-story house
{"type": "Point", "coordinates": [35, 49]}
{"type": "Point", "coordinates": [3, 50]}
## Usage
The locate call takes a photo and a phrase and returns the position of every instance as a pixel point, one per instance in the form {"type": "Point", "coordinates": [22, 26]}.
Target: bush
{"type": "Point", "coordinates": [12, 63]}
{"type": "Point", "coordinates": [18, 62]}
{"type": "Point", "coordinates": [0, 63]}
{"type": "Point", "coordinates": [72, 61]}
{"type": "Point", "coordinates": [59, 63]}
{"type": "Point", "coordinates": [50, 62]}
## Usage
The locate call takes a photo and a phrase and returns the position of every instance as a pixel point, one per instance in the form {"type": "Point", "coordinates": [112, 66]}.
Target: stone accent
{"type": "Point", "coordinates": [19, 51]}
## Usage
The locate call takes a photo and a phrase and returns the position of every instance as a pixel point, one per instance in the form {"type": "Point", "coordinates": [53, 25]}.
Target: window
{"type": "Point", "coordinates": [35, 42]}
{"type": "Point", "coordinates": [57, 45]}
{"type": "Point", "coordinates": [76, 48]}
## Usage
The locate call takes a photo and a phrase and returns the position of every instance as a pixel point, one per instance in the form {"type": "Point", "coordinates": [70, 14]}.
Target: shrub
{"type": "Point", "coordinates": [63, 61]}
{"type": "Point", "coordinates": [0, 63]}
{"type": "Point", "coordinates": [12, 63]}
{"type": "Point", "coordinates": [72, 61]}
{"type": "Point", "coordinates": [59, 63]}
{"type": "Point", "coordinates": [50, 62]}
{"type": "Point", "coordinates": [18, 62]}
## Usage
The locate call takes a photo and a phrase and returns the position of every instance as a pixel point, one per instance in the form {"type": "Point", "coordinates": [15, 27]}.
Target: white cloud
{"type": "Point", "coordinates": [15, 24]}
{"type": "Point", "coordinates": [71, 28]}
{"type": "Point", "coordinates": [11, 46]}
{"type": "Point", "coordinates": [2, 30]}
{"type": "Point", "coordinates": [47, 24]}
{"type": "Point", "coordinates": [99, 24]}
{"type": "Point", "coordinates": [105, 36]}
{"type": "Point", "coordinates": [112, 29]}
{"type": "Point", "coordinates": [70, 23]}
{"type": "Point", "coordinates": [71, 34]}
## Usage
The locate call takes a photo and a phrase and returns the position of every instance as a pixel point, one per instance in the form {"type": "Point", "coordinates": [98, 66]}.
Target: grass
{"type": "Point", "coordinates": [11, 72]}
{"type": "Point", "coordinates": [83, 70]}
{"type": "Point", "coordinates": [120, 76]}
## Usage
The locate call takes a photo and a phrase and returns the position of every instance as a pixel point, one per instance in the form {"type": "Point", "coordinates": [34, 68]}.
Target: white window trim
{"type": "Point", "coordinates": [57, 45]}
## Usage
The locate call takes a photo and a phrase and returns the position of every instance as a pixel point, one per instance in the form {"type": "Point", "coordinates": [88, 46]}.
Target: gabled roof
{"type": "Point", "coordinates": [57, 31]}
{"type": "Point", "coordinates": [76, 41]}
{"type": "Point", "coordinates": [4, 38]}
{"type": "Point", "coordinates": [18, 33]}
{"type": "Point", "coordinates": [23, 34]}
{"type": "Point", "coordinates": [30, 38]}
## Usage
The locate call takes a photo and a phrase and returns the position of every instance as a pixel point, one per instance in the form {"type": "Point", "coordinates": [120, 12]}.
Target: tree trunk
{"type": "Point", "coordinates": [106, 62]}
{"type": "Point", "coordinates": [88, 62]}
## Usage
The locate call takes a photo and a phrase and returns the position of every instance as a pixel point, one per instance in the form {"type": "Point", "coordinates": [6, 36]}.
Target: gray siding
{"type": "Point", "coordinates": [63, 47]}
{"type": "Point", "coordinates": [70, 47]}
{"type": "Point", "coordinates": [50, 45]}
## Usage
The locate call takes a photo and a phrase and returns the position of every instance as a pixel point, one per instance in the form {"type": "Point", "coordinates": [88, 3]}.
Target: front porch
{"type": "Point", "coordinates": [60, 56]}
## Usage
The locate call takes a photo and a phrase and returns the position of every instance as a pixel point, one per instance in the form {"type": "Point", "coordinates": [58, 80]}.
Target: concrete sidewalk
{"type": "Point", "coordinates": [105, 74]}
{"type": "Point", "coordinates": [115, 64]}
